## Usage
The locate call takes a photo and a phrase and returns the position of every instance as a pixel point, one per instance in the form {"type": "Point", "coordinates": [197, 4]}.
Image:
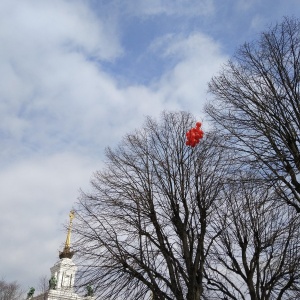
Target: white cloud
{"type": "Point", "coordinates": [47, 25]}
{"type": "Point", "coordinates": [49, 85]}
{"type": "Point", "coordinates": [37, 195]}
{"type": "Point", "coordinates": [198, 59]}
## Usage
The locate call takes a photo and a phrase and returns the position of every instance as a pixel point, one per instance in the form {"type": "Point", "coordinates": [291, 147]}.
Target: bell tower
{"type": "Point", "coordinates": [63, 272]}
{"type": "Point", "coordinates": [61, 283]}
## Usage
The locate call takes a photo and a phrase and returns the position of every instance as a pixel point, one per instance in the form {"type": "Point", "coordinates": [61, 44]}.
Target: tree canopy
{"type": "Point", "coordinates": [146, 225]}
{"type": "Point", "coordinates": [257, 106]}
{"type": "Point", "coordinates": [10, 290]}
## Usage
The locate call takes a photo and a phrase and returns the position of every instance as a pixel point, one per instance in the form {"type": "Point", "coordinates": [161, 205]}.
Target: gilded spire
{"type": "Point", "coordinates": [68, 239]}
{"type": "Point", "coordinates": [66, 253]}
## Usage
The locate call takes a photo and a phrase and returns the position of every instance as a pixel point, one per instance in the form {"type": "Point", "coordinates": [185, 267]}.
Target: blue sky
{"type": "Point", "coordinates": [76, 76]}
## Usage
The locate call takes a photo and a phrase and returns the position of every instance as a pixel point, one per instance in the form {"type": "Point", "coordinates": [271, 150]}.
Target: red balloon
{"type": "Point", "coordinates": [194, 135]}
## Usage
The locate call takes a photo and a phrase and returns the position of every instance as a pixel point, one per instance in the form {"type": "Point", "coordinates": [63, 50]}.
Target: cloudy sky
{"type": "Point", "coordinates": [75, 76]}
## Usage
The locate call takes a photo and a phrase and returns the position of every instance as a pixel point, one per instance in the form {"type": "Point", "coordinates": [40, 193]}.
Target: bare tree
{"type": "Point", "coordinates": [10, 290]}
{"type": "Point", "coordinates": [145, 229]}
{"type": "Point", "coordinates": [257, 106]}
{"type": "Point", "coordinates": [43, 286]}
{"type": "Point", "coordinates": [257, 254]}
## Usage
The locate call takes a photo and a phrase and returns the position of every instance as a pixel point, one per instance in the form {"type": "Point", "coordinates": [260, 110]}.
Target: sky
{"type": "Point", "coordinates": [76, 76]}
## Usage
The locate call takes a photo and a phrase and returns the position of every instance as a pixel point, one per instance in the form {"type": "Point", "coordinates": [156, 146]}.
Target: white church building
{"type": "Point", "coordinates": [61, 284]}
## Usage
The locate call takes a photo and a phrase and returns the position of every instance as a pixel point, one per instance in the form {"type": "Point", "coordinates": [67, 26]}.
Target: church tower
{"type": "Point", "coordinates": [61, 283]}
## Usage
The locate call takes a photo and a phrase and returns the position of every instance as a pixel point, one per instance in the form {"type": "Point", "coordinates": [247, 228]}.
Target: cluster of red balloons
{"type": "Point", "coordinates": [194, 135]}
